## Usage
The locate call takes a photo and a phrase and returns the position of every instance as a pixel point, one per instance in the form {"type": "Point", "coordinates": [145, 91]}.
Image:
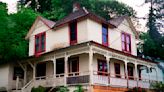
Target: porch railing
{"type": "Point", "coordinates": [75, 78]}
{"type": "Point", "coordinates": [117, 80]}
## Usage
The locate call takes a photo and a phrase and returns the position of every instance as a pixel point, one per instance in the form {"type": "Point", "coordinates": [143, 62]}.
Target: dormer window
{"type": "Point", "coordinates": [105, 35]}
{"type": "Point", "coordinates": [126, 42]}
{"type": "Point", "coordinates": [40, 42]}
{"type": "Point", "coordinates": [73, 32]}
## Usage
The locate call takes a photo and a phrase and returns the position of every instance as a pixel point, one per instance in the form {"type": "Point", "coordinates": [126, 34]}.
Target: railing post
{"type": "Point", "coordinates": [91, 65]}
{"type": "Point", "coordinates": [17, 82]}
{"type": "Point", "coordinates": [25, 75]}
{"type": "Point", "coordinates": [149, 73]}
{"type": "Point", "coordinates": [66, 67]}
{"type": "Point", "coordinates": [136, 71]}
{"type": "Point", "coordinates": [34, 72]}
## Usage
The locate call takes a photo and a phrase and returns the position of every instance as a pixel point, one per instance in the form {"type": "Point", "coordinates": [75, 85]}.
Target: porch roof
{"type": "Point", "coordinates": [98, 45]}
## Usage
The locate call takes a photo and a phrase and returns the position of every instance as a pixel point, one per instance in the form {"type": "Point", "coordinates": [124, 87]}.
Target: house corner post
{"type": "Point", "coordinates": [91, 65]}
{"type": "Point", "coordinates": [66, 68]}
{"type": "Point", "coordinates": [136, 75]}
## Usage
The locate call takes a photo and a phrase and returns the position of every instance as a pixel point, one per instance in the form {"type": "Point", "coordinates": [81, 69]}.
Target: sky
{"type": "Point", "coordinates": [142, 10]}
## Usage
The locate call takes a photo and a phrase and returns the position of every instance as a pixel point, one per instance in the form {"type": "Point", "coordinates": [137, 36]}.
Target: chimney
{"type": "Point", "coordinates": [76, 7]}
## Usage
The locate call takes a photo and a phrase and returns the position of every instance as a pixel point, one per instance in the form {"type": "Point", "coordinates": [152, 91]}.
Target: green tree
{"type": "Point", "coordinates": [153, 40]}
{"type": "Point", "coordinates": [101, 7]}
{"type": "Point", "coordinates": [14, 27]}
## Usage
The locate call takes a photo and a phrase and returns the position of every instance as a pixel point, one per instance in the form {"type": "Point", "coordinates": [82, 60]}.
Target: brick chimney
{"type": "Point", "coordinates": [76, 7]}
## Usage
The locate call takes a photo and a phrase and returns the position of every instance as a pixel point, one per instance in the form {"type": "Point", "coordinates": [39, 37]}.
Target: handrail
{"type": "Point", "coordinates": [27, 85]}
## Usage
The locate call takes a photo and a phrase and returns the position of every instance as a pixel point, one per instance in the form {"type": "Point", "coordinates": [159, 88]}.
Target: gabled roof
{"type": "Point", "coordinates": [118, 20]}
{"type": "Point", "coordinates": [79, 14]}
{"type": "Point", "coordinates": [47, 22]}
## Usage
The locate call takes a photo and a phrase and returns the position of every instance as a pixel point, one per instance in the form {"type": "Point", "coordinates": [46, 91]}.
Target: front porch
{"type": "Point", "coordinates": [88, 65]}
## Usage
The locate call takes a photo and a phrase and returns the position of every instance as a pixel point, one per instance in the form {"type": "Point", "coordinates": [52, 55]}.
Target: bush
{"type": "Point", "coordinates": [157, 86]}
{"type": "Point", "coordinates": [62, 89]}
{"type": "Point", "coordinates": [38, 89]}
{"type": "Point", "coordinates": [136, 89]}
{"type": "Point", "coordinates": [79, 89]}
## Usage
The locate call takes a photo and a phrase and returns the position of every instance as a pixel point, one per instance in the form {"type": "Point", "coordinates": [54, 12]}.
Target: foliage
{"type": "Point", "coordinates": [158, 86]}
{"type": "Point", "coordinates": [58, 9]}
{"type": "Point", "coordinates": [38, 89]}
{"type": "Point", "coordinates": [136, 89]}
{"type": "Point", "coordinates": [14, 27]}
{"type": "Point", "coordinates": [153, 40]}
{"type": "Point", "coordinates": [79, 89]}
{"type": "Point", "coordinates": [62, 89]}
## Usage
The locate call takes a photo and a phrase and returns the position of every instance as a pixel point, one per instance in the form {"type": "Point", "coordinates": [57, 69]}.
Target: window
{"type": "Point", "coordinates": [105, 35]}
{"type": "Point", "coordinates": [117, 70]}
{"type": "Point", "coordinates": [18, 71]}
{"type": "Point", "coordinates": [73, 64]}
{"type": "Point", "coordinates": [41, 69]}
{"type": "Point", "coordinates": [60, 66]}
{"type": "Point", "coordinates": [102, 67]}
{"type": "Point", "coordinates": [126, 42]}
{"type": "Point", "coordinates": [73, 32]}
{"type": "Point", "coordinates": [130, 72]}
{"type": "Point", "coordinates": [40, 42]}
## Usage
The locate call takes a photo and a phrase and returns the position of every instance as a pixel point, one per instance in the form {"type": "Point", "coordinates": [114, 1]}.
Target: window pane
{"type": "Point", "coordinates": [105, 67]}
{"type": "Point", "coordinates": [104, 30]}
{"type": "Point", "coordinates": [104, 34]}
{"type": "Point", "coordinates": [127, 39]}
{"type": "Point", "coordinates": [127, 47]}
{"type": "Point", "coordinates": [123, 37]}
{"type": "Point", "coordinates": [123, 46]}
{"type": "Point", "coordinates": [42, 42]}
{"type": "Point", "coordinates": [73, 31]}
{"type": "Point", "coordinates": [37, 44]}
{"type": "Point", "coordinates": [104, 39]}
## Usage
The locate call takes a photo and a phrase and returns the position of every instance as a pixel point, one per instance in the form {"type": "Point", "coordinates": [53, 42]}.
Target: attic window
{"type": "Point", "coordinates": [40, 42]}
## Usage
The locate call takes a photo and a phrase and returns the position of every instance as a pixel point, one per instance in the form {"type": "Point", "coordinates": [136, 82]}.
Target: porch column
{"type": "Point", "coordinates": [136, 75]}
{"type": "Point", "coordinates": [66, 68]}
{"type": "Point", "coordinates": [126, 73]}
{"type": "Point", "coordinates": [54, 62]}
{"type": "Point", "coordinates": [91, 66]}
{"type": "Point", "coordinates": [108, 67]}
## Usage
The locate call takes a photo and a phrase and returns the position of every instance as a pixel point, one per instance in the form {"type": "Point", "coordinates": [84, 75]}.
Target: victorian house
{"type": "Point", "coordinates": [83, 49]}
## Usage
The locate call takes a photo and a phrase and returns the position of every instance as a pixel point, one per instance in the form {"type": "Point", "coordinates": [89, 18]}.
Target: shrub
{"type": "Point", "coordinates": [157, 86]}
{"type": "Point", "coordinates": [79, 89]}
{"type": "Point", "coordinates": [38, 89]}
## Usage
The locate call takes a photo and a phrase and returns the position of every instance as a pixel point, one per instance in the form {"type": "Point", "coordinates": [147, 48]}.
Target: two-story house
{"type": "Point", "coordinates": [82, 49]}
